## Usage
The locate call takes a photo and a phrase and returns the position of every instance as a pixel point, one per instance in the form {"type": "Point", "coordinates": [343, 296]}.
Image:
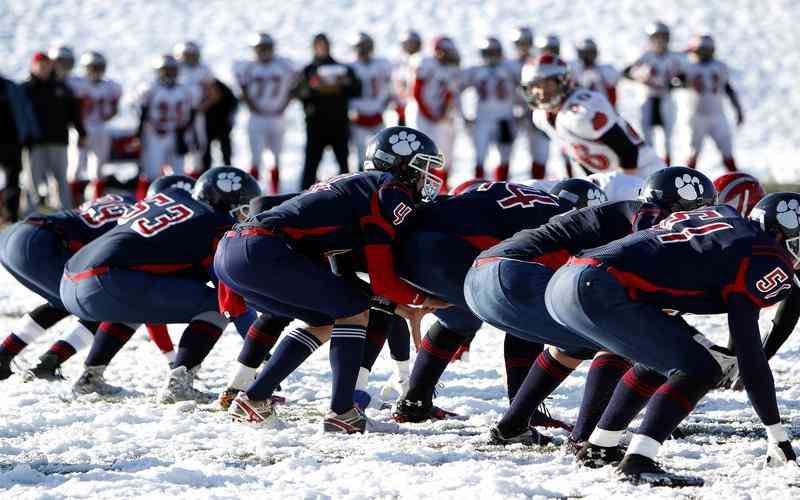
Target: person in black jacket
{"type": "Point", "coordinates": [219, 121]}
{"type": "Point", "coordinates": [325, 87]}
{"type": "Point", "coordinates": [17, 127]}
{"type": "Point", "coordinates": [56, 109]}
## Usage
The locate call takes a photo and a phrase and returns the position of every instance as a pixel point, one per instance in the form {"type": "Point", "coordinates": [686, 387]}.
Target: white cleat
{"type": "Point", "coordinates": [91, 381]}
{"type": "Point", "coordinates": [179, 387]}
{"type": "Point", "coordinates": [243, 409]}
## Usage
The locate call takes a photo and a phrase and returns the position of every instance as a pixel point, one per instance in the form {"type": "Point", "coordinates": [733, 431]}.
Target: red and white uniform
{"type": "Point", "coordinates": [495, 87]}
{"type": "Point", "coordinates": [538, 141]}
{"type": "Point", "coordinates": [655, 72]}
{"type": "Point", "coordinates": [598, 77]}
{"type": "Point", "coordinates": [169, 111]}
{"type": "Point", "coordinates": [198, 77]}
{"type": "Point", "coordinates": [403, 80]}
{"type": "Point", "coordinates": [706, 84]}
{"type": "Point", "coordinates": [435, 92]}
{"type": "Point", "coordinates": [267, 85]}
{"type": "Point", "coordinates": [99, 103]}
{"type": "Point", "coordinates": [366, 111]}
{"type": "Point", "coordinates": [596, 137]}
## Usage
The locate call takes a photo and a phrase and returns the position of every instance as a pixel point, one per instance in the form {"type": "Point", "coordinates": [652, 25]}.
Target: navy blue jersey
{"type": "Point", "coordinates": [91, 220]}
{"type": "Point", "coordinates": [489, 213]}
{"type": "Point", "coordinates": [169, 232]}
{"type": "Point", "coordinates": [692, 261]}
{"type": "Point", "coordinates": [361, 211]}
{"type": "Point", "coordinates": [551, 244]}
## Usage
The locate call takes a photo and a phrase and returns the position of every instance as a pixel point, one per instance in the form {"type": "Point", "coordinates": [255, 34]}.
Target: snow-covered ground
{"type": "Point", "coordinates": [52, 446]}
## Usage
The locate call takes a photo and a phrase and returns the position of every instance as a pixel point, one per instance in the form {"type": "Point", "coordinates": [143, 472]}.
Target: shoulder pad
{"type": "Point", "coordinates": [587, 114]}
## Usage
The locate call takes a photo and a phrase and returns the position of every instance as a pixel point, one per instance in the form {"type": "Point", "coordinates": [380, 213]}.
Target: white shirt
{"type": "Point", "coordinates": [266, 84]}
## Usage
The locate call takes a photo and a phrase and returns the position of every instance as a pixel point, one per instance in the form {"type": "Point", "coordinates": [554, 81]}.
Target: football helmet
{"type": "Point", "coordinates": [63, 56]}
{"type": "Point", "coordinates": [443, 48]}
{"type": "Point", "coordinates": [546, 82]}
{"type": "Point", "coordinates": [264, 46]}
{"type": "Point", "coordinates": [171, 182]}
{"type": "Point", "coordinates": [491, 51]}
{"type": "Point", "coordinates": [677, 189]}
{"type": "Point", "coordinates": [580, 192]}
{"type": "Point", "coordinates": [522, 37]}
{"type": "Point", "coordinates": [779, 214]}
{"type": "Point", "coordinates": [587, 51]}
{"type": "Point", "coordinates": [363, 44]}
{"type": "Point", "coordinates": [658, 33]}
{"type": "Point", "coordinates": [227, 189]}
{"type": "Point", "coordinates": [549, 44]}
{"type": "Point", "coordinates": [166, 68]}
{"type": "Point", "coordinates": [94, 63]}
{"type": "Point", "coordinates": [411, 156]}
{"type": "Point", "coordinates": [187, 52]}
{"type": "Point", "coordinates": [739, 190]}
{"type": "Point", "coordinates": [411, 42]}
{"type": "Point", "coordinates": [702, 47]}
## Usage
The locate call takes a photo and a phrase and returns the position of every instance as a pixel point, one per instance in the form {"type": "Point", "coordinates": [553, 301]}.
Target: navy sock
{"type": "Point", "coordinates": [62, 350]}
{"type": "Point", "coordinates": [544, 376]}
{"type": "Point", "coordinates": [261, 338]}
{"type": "Point", "coordinates": [434, 354]}
{"type": "Point", "coordinates": [519, 356]}
{"type": "Point", "coordinates": [196, 342]}
{"type": "Point", "coordinates": [671, 403]}
{"type": "Point", "coordinates": [377, 329]}
{"type": "Point", "coordinates": [630, 396]}
{"type": "Point", "coordinates": [347, 351]}
{"type": "Point", "coordinates": [605, 373]}
{"type": "Point", "coordinates": [12, 345]}
{"type": "Point", "coordinates": [108, 340]}
{"type": "Point", "coordinates": [399, 339]}
{"type": "Point", "coordinates": [295, 347]}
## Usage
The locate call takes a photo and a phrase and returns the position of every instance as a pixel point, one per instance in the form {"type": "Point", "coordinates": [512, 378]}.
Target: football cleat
{"type": "Point", "coordinates": [179, 387]}
{"type": "Point", "coordinates": [226, 397]}
{"type": "Point", "coordinates": [354, 421]}
{"type": "Point", "coordinates": [638, 469]}
{"type": "Point", "coordinates": [49, 368]}
{"type": "Point", "coordinates": [5, 366]}
{"type": "Point", "coordinates": [527, 437]}
{"type": "Point", "coordinates": [92, 381]}
{"type": "Point", "coordinates": [243, 409]}
{"type": "Point", "coordinates": [542, 418]}
{"type": "Point", "coordinates": [594, 456]}
{"type": "Point", "coordinates": [406, 411]}
{"type": "Point", "coordinates": [572, 446]}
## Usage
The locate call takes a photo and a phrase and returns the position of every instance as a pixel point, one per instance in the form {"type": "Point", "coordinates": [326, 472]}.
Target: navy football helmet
{"type": "Point", "coordinates": [779, 214]}
{"type": "Point", "coordinates": [676, 189]}
{"type": "Point", "coordinates": [227, 189]}
{"type": "Point", "coordinates": [169, 182]}
{"type": "Point", "coordinates": [580, 192]}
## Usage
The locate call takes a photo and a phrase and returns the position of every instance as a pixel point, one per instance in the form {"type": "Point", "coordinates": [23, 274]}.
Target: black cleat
{"type": "Point", "coordinates": [638, 469]}
{"type": "Point", "coordinates": [5, 366]}
{"type": "Point", "coordinates": [49, 368]}
{"type": "Point", "coordinates": [542, 418]}
{"type": "Point", "coordinates": [572, 446]}
{"type": "Point", "coordinates": [406, 411]}
{"type": "Point", "coordinates": [528, 437]}
{"type": "Point", "coordinates": [594, 456]}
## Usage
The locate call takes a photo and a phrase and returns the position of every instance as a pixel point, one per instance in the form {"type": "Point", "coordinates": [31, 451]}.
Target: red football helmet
{"type": "Point", "coordinates": [466, 186]}
{"type": "Point", "coordinates": [739, 190]}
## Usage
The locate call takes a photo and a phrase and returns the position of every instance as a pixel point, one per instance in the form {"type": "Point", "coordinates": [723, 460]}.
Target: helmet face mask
{"type": "Point", "coordinates": [428, 183]}
{"type": "Point", "coordinates": [545, 93]}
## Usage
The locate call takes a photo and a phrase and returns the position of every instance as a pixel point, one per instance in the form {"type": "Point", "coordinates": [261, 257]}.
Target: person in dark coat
{"type": "Point", "coordinates": [220, 118]}
{"type": "Point", "coordinates": [18, 127]}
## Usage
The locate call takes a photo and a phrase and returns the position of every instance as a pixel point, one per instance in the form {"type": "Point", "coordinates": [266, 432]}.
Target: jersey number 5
{"type": "Point", "coordinates": [678, 234]}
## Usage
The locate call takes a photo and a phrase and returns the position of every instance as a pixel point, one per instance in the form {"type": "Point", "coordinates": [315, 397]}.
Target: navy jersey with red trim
{"type": "Point", "coordinates": [551, 244]}
{"type": "Point", "coordinates": [692, 261]}
{"type": "Point", "coordinates": [489, 213]}
{"type": "Point", "coordinates": [169, 233]}
{"type": "Point", "coordinates": [362, 212]}
{"type": "Point", "coordinates": [91, 220]}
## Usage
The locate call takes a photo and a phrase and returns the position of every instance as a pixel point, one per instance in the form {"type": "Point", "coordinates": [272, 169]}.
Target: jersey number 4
{"type": "Point", "coordinates": [678, 234]}
{"type": "Point", "coordinates": [173, 214]}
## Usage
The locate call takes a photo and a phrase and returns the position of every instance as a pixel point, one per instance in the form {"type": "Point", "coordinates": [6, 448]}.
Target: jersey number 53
{"type": "Point", "coordinates": [173, 213]}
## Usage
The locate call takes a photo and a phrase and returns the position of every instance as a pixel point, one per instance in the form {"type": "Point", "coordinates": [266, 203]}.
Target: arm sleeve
{"type": "Point", "coordinates": [618, 140]}
{"type": "Point", "coordinates": [731, 93]}
{"type": "Point", "coordinates": [419, 84]}
{"type": "Point", "coordinates": [753, 367]}
{"type": "Point", "coordinates": [783, 324]}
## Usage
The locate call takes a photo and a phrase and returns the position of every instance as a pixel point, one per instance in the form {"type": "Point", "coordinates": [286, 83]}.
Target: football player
{"type": "Point", "coordinates": [403, 75]}
{"type": "Point", "coordinates": [549, 44]}
{"type": "Point", "coordinates": [153, 268]}
{"type": "Point", "coordinates": [165, 122]}
{"type": "Point", "coordinates": [99, 98]}
{"type": "Point", "coordinates": [593, 134]}
{"type": "Point", "coordinates": [366, 109]}
{"type": "Point", "coordinates": [614, 295]}
{"type": "Point", "coordinates": [199, 78]}
{"type": "Point", "coordinates": [592, 75]}
{"type": "Point", "coordinates": [495, 83]}
{"type": "Point", "coordinates": [706, 79]}
{"type": "Point", "coordinates": [655, 70]}
{"type": "Point", "coordinates": [275, 258]}
{"type": "Point", "coordinates": [265, 84]}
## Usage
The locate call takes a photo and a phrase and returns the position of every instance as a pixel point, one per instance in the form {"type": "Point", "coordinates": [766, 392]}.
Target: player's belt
{"type": "Point", "coordinates": [71, 245]}
{"type": "Point", "coordinates": [586, 261]}
{"type": "Point", "coordinates": [485, 260]}
{"type": "Point", "coordinates": [251, 231]}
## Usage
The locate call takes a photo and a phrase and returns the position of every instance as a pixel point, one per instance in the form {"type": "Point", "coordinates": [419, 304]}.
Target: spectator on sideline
{"type": "Point", "coordinates": [18, 127]}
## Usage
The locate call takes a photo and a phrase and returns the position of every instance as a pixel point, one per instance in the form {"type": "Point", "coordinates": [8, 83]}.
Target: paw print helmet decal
{"type": "Point", "coordinates": [411, 156]}
{"type": "Point", "coordinates": [678, 188]}
{"type": "Point", "coordinates": [779, 214]}
{"type": "Point", "coordinates": [739, 190]}
{"type": "Point", "coordinates": [580, 192]}
{"type": "Point", "coordinates": [227, 189]}
{"type": "Point", "coordinates": [171, 182]}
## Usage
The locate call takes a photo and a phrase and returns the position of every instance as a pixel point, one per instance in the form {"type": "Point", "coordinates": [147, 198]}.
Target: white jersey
{"type": "Point", "coordinates": [99, 101]}
{"type": "Point", "coordinates": [598, 77]}
{"type": "Point", "coordinates": [580, 124]}
{"type": "Point", "coordinates": [438, 85]}
{"type": "Point", "coordinates": [656, 71]}
{"type": "Point", "coordinates": [169, 108]}
{"type": "Point", "coordinates": [76, 83]}
{"type": "Point", "coordinates": [376, 88]}
{"type": "Point", "coordinates": [706, 83]}
{"type": "Point", "coordinates": [198, 76]}
{"type": "Point", "coordinates": [495, 87]}
{"type": "Point", "coordinates": [403, 76]}
{"type": "Point", "coordinates": [267, 85]}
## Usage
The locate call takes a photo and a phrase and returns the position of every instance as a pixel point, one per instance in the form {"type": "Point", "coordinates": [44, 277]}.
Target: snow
{"type": "Point", "coordinates": [54, 446]}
